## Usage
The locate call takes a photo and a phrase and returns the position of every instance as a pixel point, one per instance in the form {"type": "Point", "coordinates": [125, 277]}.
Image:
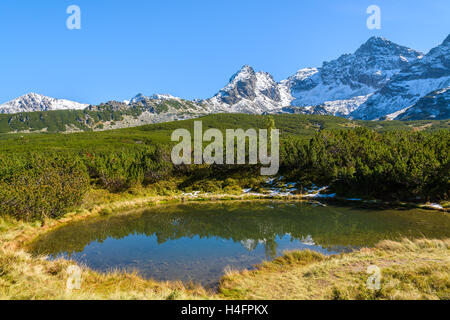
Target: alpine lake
{"type": "Point", "coordinates": [197, 241]}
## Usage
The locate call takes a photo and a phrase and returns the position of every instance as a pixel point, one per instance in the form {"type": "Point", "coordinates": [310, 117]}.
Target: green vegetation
{"type": "Point", "coordinates": [392, 160]}
{"type": "Point", "coordinates": [91, 118]}
{"type": "Point", "coordinates": [94, 118]}
{"type": "Point", "coordinates": [40, 186]}
{"type": "Point", "coordinates": [361, 162]}
{"type": "Point", "coordinates": [90, 174]}
{"type": "Point", "coordinates": [61, 120]}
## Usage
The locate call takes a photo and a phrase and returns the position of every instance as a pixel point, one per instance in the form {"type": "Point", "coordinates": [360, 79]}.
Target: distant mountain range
{"type": "Point", "coordinates": [381, 80]}
{"type": "Point", "coordinates": [35, 102]}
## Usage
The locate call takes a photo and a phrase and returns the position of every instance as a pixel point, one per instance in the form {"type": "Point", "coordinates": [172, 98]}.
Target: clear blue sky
{"type": "Point", "coordinates": [189, 48]}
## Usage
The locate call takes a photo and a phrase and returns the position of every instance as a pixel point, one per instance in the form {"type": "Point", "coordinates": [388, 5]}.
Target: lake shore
{"type": "Point", "coordinates": [409, 270]}
{"type": "Point", "coordinates": [106, 206]}
{"type": "Point", "coordinates": [28, 277]}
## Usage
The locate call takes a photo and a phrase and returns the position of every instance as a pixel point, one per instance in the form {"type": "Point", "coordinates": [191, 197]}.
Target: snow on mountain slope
{"type": "Point", "coordinates": [351, 75]}
{"type": "Point", "coordinates": [426, 75]}
{"type": "Point", "coordinates": [339, 87]}
{"type": "Point", "coordinates": [340, 108]}
{"type": "Point", "coordinates": [396, 114]}
{"type": "Point", "coordinates": [36, 102]}
{"type": "Point", "coordinates": [140, 97]}
{"type": "Point", "coordinates": [167, 104]}
{"type": "Point", "coordinates": [249, 92]}
{"type": "Point", "coordinates": [433, 106]}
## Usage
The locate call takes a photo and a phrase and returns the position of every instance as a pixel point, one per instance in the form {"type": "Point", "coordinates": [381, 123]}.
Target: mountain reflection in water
{"type": "Point", "coordinates": [197, 241]}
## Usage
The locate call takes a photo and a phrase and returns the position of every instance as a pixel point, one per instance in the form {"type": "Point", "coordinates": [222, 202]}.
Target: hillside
{"type": "Point", "coordinates": [290, 125]}
{"type": "Point", "coordinates": [111, 115]}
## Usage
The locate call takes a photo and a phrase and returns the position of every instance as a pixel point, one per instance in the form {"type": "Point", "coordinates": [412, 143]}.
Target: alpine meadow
{"type": "Point", "coordinates": [320, 170]}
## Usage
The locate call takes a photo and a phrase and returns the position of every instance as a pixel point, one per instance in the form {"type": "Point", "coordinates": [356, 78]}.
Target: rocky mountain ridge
{"type": "Point", "coordinates": [380, 80]}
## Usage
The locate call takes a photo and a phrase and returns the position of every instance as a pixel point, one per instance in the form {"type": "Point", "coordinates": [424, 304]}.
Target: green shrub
{"type": "Point", "coordinates": [210, 186]}
{"type": "Point", "coordinates": [235, 189]}
{"type": "Point", "coordinates": [230, 182]}
{"type": "Point", "coordinates": [412, 166]}
{"type": "Point", "coordinates": [105, 212]}
{"type": "Point", "coordinates": [37, 186]}
{"type": "Point", "coordinates": [121, 170]}
{"type": "Point", "coordinates": [164, 187]}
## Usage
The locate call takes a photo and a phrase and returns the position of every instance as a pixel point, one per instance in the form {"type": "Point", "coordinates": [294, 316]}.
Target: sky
{"type": "Point", "coordinates": [189, 48]}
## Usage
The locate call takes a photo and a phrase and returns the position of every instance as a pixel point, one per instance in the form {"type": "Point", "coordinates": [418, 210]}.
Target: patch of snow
{"type": "Point", "coordinates": [192, 194]}
{"type": "Point", "coordinates": [308, 240]}
{"type": "Point", "coordinates": [435, 206]}
{"type": "Point", "coordinates": [394, 115]}
{"type": "Point", "coordinates": [317, 193]}
{"type": "Point", "coordinates": [323, 93]}
{"type": "Point", "coordinates": [142, 98]}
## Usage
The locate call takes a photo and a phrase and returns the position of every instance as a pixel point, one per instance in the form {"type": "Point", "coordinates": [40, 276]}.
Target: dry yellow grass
{"type": "Point", "coordinates": [417, 269]}
{"type": "Point", "coordinates": [25, 277]}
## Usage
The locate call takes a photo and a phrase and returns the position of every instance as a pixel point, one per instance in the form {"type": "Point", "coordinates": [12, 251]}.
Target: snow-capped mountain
{"type": "Point", "coordinates": [35, 102]}
{"type": "Point", "coordinates": [350, 86]}
{"type": "Point", "coordinates": [166, 103]}
{"type": "Point", "coordinates": [339, 87]}
{"type": "Point", "coordinates": [351, 78]}
{"type": "Point", "coordinates": [161, 97]}
{"type": "Point", "coordinates": [380, 80]}
{"type": "Point", "coordinates": [423, 76]}
{"type": "Point", "coordinates": [250, 92]}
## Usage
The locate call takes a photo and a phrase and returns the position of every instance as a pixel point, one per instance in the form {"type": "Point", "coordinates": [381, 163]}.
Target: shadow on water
{"type": "Point", "coordinates": [197, 241]}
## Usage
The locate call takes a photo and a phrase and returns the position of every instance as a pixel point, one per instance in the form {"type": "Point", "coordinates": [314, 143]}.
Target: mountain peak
{"type": "Point", "coordinates": [142, 98]}
{"type": "Point", "coordinates": [383, 48]}
{"type": "Point", "coordinates": [137, 98]}
{"type": "Point", "coordinates": [245, 72]}
{"type": "Point", "coordinates": [165, 96]}
{"type": "Point", "coordinates": [426, 74]}
{"type": "Point", "coordinates": [32, 95]}
{"type": "Point", "coordinates": [31, 102]}
{"type": "Point", "coordinates": [378, 40]}
{"type": "Point", "coordinates": [379, 44]}
{"type": "Point", "coordinates": [447, 41]}
{"type": "Point", "coordinates": [246, 68]}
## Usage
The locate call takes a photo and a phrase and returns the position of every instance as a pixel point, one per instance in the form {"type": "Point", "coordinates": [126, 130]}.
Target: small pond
{"type": "Point", "coordinates": [198, 241]}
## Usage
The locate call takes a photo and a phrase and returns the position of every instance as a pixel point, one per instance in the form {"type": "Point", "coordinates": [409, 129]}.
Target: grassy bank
{"type": "Point", "coordinates": [417, 269]}
{"type": "Point", "coordinates": [25, 277]}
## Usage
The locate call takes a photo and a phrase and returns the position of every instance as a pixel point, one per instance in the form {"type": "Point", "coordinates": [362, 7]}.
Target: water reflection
{"type": "Point", "coordinates": [195, 242]}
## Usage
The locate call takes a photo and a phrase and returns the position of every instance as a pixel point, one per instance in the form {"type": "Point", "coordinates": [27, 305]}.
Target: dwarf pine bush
{"type": "Point", "coordinates": [36, 186]}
